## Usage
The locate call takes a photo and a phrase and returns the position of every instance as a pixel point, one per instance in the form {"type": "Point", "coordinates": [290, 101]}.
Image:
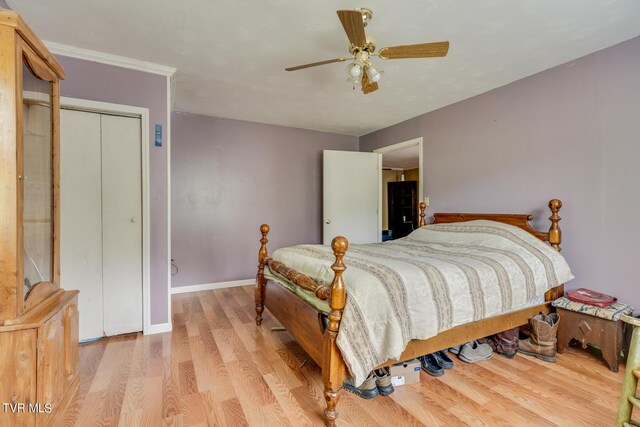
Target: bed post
{"type": "Point", "coordinates": [333, 366]}
{"type": "Point", "coordinates": [555, 238]}
{"type": "Point", "coordinates": [555, 235]}
{"type": "Point", "coordinates": [260, 280]}
{"type": "Point", "coordinates": [422, 222]}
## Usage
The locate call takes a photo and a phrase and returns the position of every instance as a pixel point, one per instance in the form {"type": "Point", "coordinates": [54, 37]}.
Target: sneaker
{"type": "Point", "coordinates": [430, 365]}
{"type": "Point", "coordinates": [383, 381]}
{"type": "Point", "coordinates": [473, 352]}
{"type": "Point", "coordinates": [443, 359]}
{"type": "Point", "coordinates": [368, 389]}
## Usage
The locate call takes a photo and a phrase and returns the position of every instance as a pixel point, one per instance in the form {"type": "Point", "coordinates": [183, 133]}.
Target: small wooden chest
{"type": "Point", "coordinates": [587, 329]}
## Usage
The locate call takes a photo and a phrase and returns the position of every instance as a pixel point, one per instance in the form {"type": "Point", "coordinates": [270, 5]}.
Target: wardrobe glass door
{"type": "Point", "coordinates": [37, 179]}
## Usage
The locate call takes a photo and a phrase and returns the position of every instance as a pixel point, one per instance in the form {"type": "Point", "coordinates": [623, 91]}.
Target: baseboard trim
{"type": "Point", "coordinates": [160, 328]}
{"type": "Point", "coordinates": [209, 286]}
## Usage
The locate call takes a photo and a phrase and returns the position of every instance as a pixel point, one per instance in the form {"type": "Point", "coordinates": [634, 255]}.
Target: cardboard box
{"type": "Point", "coordinates": [405, 373]}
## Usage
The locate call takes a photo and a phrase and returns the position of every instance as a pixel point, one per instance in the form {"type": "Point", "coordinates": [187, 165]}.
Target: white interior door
{"type": "Point", "coordinates": [350, 196]}
{"type": "Point", "coordinates": [80, 213]}
{"type": "Point", "coordinates": [121, 225]}
{"type": "Point", "coordinates": [101, 213]}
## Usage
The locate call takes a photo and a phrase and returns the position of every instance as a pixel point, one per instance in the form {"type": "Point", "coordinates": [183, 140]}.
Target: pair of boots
{"type": "Point", "coordinates": [543, 339]}
{"type": "Point", "coordinates": [541, 343]}
{"type": "Point", "coordinates": [377, 383]}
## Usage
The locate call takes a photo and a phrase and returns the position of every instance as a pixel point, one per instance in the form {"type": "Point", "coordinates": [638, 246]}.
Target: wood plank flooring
{"type": "Point", "coordinates": [218, 368]}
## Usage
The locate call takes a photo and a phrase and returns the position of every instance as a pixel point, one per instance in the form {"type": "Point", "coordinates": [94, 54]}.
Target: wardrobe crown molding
{"type": "Point", "coordinates": [109, 59]}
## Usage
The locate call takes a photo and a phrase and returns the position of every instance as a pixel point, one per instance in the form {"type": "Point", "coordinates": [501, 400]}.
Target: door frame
{"type": "Point", "coordinates": [395, 147]}
{"type": "Point", "coordinates": [143, 113]}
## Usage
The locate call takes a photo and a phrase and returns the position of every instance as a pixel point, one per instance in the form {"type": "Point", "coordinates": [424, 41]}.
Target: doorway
{"type": "Point", "coordinates": [104, 220]}
{"type": "Point", "coordinates": [400, 188]}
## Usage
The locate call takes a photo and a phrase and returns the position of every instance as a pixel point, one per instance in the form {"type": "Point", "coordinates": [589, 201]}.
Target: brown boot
{"type": "Point", "coordinates": [542, 343]}
{"type": "Point", "coordinates": [504, 343]}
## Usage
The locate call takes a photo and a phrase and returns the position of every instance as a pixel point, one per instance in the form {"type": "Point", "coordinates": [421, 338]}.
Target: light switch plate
{"type": "Point", "coordinates": [426, 201]}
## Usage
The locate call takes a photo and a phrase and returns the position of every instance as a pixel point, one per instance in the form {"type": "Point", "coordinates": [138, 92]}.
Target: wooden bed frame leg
{"type": "Point", "coordinates": [260, 279]}
{"type": "Point", "coordinates": [333, 366]}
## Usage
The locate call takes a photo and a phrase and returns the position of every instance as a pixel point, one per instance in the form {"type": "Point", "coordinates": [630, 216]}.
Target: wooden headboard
{"type": "Point", "coordinates": [553, 236]}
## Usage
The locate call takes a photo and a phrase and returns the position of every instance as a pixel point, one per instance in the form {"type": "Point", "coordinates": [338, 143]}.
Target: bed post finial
{"type": "Point", "coordinates": [422, 206]}
{"type": "Point", "coordinates": [338, 296]}
{"type": "Point", "coordinates": [264, 230]}
{"type": "Point", "coordinates": [555, 235]}
{"type": "Point", "coordinates": [332, 364]}
{"type": "Point", "coordinates": [263, 254]}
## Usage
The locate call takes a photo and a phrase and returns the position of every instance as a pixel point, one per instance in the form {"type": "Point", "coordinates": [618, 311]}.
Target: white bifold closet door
{"type": "Point", "coordinates": [101, 220]}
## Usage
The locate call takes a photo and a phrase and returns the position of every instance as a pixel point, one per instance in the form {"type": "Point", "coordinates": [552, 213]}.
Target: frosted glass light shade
{"type": "Point", "coordinates": [372, 74]}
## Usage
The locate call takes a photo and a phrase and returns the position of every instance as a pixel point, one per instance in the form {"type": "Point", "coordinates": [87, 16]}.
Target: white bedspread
{"type": "Point", "coordinates": [438, 277]}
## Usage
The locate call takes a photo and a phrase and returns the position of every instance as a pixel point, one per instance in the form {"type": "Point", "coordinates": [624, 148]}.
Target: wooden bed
{"type": "Point", "coordinates": [307, 325]}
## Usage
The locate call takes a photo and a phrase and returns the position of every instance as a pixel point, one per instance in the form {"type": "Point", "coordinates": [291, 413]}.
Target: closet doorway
{"type": "Point", "coordinates": [400, 188]}
{"type": "Point", "coordinates": [101, 218]}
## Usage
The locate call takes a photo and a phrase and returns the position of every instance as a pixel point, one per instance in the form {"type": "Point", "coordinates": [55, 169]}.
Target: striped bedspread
{"type": "Point", "coordinates": [438, 277]}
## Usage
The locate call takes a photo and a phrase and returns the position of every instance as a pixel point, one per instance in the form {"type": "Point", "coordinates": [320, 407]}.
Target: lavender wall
{"type": "Point", "coordinates": [106, 83]}
{"type": "Point", "coordinates": [230, 176]}
{"type": "Point", "coordinates": [569, 132]}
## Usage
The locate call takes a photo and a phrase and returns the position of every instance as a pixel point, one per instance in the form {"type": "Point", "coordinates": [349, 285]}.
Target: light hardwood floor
{"type": "Point", "coordinates": [218, 368]}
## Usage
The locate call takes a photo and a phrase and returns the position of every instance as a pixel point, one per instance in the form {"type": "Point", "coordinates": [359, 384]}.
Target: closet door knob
{"type": "Point", "coordinates": [328, 221]}
{"type": "Point", "coordinates": [133, 219]}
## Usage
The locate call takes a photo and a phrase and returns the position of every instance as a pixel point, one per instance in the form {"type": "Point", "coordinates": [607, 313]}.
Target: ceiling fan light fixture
{"type": "Point", "coordinates": [355, 69]}
{"type": "Point", "coordinates": [372, 74]}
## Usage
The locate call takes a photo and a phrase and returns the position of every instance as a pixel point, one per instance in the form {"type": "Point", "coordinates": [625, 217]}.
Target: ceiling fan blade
{"type": "Point", "coordinates": [367, 86]}
{"type": "Point", "coordinates": [315, 64]}
{"type": "Point", "coordinates": [354, 26]}
{"type": "Point", "coordinates": [424, 50]}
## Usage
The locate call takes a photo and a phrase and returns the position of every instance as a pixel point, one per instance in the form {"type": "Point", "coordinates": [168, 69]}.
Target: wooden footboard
{"type": "Point", "coordinates": [296, 316]}
{"type": "Point", "coordinates": [305, 325]}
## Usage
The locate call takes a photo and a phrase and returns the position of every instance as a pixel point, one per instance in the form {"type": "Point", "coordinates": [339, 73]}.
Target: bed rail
{"type": "Point", "coordinates": [299, 279]}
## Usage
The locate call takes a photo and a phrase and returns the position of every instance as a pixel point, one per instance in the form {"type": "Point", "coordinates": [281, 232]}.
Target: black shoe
{"type": "Point", "coordinates": [443, 359]}
{"type": "Point", "coordinates": [431, 366]}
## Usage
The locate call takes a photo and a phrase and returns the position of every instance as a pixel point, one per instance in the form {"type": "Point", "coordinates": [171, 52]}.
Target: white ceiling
{"type": "Point", "coordinates": [230, 54]}
{"type": "Point", "coordinates": [406, 158]}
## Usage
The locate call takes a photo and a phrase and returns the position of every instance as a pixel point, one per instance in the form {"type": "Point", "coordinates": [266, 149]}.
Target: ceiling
{"type": "Point", "coordinates": [230, 54]}
{"type": "Point", "coordinates": [405, 158]}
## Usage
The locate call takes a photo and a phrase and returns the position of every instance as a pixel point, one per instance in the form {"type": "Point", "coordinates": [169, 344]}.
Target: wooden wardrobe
{"type": "Point", "coordinates": [402, 207]}
{"type": "Point", "coordinates": [38, 319]}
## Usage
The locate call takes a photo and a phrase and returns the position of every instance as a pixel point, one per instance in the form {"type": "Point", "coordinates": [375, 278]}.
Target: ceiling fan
{"type": "Point", "coordinates": [362, 48]}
